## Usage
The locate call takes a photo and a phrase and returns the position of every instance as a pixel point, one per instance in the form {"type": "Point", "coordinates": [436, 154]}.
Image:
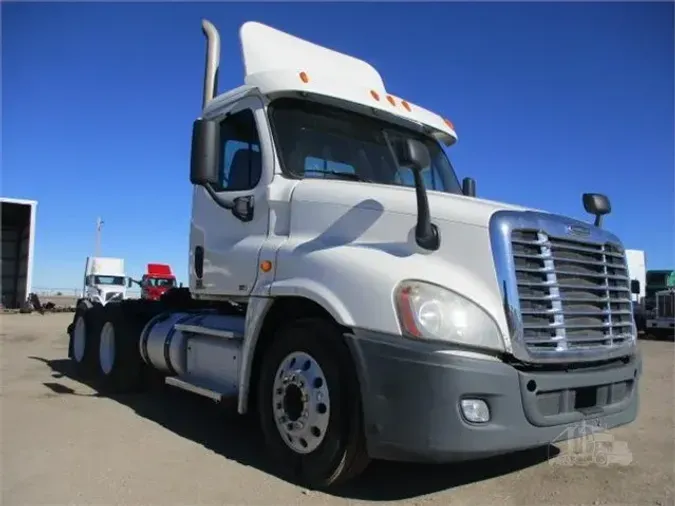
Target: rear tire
{"type": "Point", "coordinates": [120, 366]}
{"type": "Point", "coordinates": [309, 405]}
{"type": "Point", "coordinates": [83, 343]}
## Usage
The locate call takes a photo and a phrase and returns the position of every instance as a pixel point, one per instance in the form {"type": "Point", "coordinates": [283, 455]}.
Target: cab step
{"type": "Point", "coordinates": [200, 387]}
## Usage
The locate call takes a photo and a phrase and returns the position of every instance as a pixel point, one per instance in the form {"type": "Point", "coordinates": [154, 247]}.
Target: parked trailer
{"type": "Point", "coordinates": [357, 314]}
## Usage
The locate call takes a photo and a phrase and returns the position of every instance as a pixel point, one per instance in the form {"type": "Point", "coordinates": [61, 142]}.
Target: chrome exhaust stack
{"type": "Point", "coordinates": [212, 61]}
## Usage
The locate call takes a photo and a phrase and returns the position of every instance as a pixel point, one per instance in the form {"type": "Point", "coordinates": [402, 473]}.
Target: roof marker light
{"type": "Point", "coordinates": [304, 77]}
{"type": "Point", "coordinates": [391, 100]}
{"type": "Point", "coordinates": [375, 95]}
{"type": "Point", "coordinates": [405, 105]}
{"type": "Point", "coordinates": [449, 123]}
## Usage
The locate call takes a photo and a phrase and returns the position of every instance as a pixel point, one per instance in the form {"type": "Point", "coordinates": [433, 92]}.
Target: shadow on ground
{"type": "Point", "coordinates": [222, 430]}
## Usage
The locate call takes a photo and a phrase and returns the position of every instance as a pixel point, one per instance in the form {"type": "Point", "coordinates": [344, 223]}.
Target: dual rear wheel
{"type": "Point", "coordinates": [104, 346]}
{"type": "Point", "coordinates": [308, 396]}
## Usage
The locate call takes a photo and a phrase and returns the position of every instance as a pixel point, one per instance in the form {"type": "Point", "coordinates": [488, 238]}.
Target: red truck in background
{"type": "Point", "coordinates": [157, 280]}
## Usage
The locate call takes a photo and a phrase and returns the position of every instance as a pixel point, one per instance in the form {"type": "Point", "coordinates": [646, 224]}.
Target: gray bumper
{"type": "Point", "coordinates": [411, 398]}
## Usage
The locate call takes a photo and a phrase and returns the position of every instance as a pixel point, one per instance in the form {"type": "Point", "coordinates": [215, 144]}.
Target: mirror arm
{"type": "Point", "coordinates": [222, 202]}
{"type": "Point", "coordinates": [244, 214]}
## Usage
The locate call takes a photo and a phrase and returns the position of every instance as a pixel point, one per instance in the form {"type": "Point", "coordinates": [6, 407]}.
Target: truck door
{"type": "Point", "coordinates": [231, 239]}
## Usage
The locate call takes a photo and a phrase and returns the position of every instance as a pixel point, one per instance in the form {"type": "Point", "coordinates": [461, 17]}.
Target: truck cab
{"type": "Point", "coordinates": [105, 280]}
{"type": "Point", "coordinates": [156, 281]}
{"type": "Point", "coordinates": [349, 290]}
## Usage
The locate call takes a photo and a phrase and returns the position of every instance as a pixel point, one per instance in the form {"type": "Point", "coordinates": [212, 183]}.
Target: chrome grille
{"type": "Point", "coordinates": [666, 305]}
{"type": "Point", "coordinates": [111, 295]}
{"type": "Point", "coordinates": [572, 293]}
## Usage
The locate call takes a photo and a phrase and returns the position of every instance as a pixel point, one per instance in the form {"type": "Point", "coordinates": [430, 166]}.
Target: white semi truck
{"type": "Point", "coordinates": [105, 280]}
{"type": "Point", "coordinates": [637, 271]}
{"type": "Point", "coordinates": [350, 293]}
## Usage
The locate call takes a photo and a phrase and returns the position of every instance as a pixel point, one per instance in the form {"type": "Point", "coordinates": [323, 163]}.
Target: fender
{"type": "Point", "coordinates": [317, 292]}
{"type": "Point", "coordinates": [257, 310]}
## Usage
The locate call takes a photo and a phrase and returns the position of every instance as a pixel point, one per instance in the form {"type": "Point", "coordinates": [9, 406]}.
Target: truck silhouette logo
{"type": "Point", "coordinates": [587, 444]}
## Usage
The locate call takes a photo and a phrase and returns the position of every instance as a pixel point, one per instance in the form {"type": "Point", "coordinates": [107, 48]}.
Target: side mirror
{"type": "Point", "coordinates": [634, 286]}
{"type": "Point", "coordinates": [469, 187]}
{"type": "Point", "coordinates": [598, 205]}
{"type": "Point", "coordinates": [129, 282]}
{"type": "Point", "coordinates": [180, 285]}
{"type": "Point", "coordinates": [205, 158]}
{"type": "Point", "coordinates": [414, 154]}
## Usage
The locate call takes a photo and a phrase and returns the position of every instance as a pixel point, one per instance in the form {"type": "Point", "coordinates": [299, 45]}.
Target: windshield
{"type": "Point", "coordinates": [317, 140]}
{"type": "Point", "coordinates": [162, 282]}
{"type": "Point", "coordinates": [109, 280]}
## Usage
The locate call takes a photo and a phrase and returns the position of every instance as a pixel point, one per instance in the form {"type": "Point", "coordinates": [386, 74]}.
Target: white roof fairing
{"type": "Point", "coordinates": [274, 61]}
{"type": "Point", "coordinates": [266, 49]}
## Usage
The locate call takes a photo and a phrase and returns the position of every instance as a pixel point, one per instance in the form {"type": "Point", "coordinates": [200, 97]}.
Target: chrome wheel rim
{"type": "Point", "coordinates": [301, 402]}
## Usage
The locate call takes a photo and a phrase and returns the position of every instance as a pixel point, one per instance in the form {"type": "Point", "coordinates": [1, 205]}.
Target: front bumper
{"type": "Point", "coordinates": [411, 401]}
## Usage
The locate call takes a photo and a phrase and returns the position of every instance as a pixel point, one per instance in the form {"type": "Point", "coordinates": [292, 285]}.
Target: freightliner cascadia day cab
{"type": "Point", "coordinates": [349, 292]}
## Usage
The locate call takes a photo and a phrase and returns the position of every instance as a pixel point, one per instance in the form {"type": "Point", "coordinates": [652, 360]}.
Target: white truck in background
{"type": "Point", "coordinates": [105, 280]}
{"type": "Point", "coordinates": [637, 271]}
{"type": "Point", "coordinates": [347, 290]}
{"type": "Point", "coordinates": [661, 320]}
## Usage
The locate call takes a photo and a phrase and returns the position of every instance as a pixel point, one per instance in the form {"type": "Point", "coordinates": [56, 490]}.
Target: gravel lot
{"type": "Point", "coordinates": [62, 444]}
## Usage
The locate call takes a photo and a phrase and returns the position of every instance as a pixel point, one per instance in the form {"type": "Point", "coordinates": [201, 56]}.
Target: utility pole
{"type": "Point", "coordinates": [97, 250]}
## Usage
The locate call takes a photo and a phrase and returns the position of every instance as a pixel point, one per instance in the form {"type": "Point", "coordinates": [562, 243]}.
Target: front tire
{"type": "Point", "coordinates": [309, 405]}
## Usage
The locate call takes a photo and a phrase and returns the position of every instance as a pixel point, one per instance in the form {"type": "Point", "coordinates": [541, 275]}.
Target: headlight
{"type": "Point", "coordinates": [427, 311]}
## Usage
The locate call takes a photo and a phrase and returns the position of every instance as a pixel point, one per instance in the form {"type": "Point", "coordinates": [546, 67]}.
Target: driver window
{"type": "Point", "coordinates": [241, 163]}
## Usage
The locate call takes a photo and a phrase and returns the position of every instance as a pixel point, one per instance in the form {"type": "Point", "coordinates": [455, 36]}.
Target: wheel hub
{"type": "Point", "coordinates": [301, 402]}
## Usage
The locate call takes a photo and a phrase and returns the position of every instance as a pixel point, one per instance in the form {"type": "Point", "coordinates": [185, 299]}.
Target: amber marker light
{"type": "Point", "coordinates": [265, 266]}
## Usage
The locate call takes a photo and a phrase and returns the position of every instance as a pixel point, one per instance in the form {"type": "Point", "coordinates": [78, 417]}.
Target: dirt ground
{"type": "Point", "coordinates": [63, 444]}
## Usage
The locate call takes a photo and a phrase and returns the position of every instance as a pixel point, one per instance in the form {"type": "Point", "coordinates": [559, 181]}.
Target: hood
{"type": "Point", "coordinates": [348, 229]}
{"type": "Point", "coordinates": [400, 200]}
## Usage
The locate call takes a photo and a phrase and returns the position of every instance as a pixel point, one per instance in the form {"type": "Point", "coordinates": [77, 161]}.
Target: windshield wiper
{"type": "Point", "coordinates": [340, 175]}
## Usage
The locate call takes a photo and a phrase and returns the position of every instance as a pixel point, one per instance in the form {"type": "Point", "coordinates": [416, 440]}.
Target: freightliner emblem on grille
{"type": "Point", "coordinates": [578, 230]}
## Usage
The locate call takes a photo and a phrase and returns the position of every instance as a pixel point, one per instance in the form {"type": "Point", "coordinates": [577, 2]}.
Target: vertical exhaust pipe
{"type": "Point", "coordinates": [212, 61]}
